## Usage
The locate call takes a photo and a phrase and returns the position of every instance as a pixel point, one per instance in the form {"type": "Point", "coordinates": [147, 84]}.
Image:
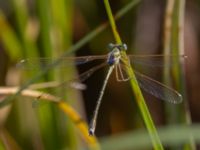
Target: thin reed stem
{"type": "Point", "coordinates": [135, 87]}
{"type": "Point", "coordinates": [174, 44]}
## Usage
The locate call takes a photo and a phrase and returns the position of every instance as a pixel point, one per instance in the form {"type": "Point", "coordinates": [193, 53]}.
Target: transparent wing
{"type": "Point", "coordinates": [158, 89]}
{"type": "Point", "coordinates": [35, 63]}
{"type": "Point", "coordinates": [156, 60]}
{"type": "Point", "coordinates": [154, 87]}
{"type": "Point", "coordinates": [84, 76]}
{"type": "Point", "coordinates": [75, 83]}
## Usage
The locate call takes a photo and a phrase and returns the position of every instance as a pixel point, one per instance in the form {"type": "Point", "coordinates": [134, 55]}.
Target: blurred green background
{"type": "Point", "coordinates": [48, 28]}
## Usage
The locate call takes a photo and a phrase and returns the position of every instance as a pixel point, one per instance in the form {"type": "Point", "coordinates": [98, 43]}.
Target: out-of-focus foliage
{"type": "Point", "coordinates": [48, 28]}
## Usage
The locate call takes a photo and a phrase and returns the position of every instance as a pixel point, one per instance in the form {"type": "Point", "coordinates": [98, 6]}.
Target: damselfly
{"type": "Point", "coordinates": [116, 60]}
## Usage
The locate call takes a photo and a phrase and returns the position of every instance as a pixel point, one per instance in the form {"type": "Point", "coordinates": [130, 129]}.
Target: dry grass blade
{"type": "Point", "coordinates": [65, 107]}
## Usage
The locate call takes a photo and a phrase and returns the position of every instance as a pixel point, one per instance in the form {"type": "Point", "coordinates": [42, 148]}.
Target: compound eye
{"type": "Point", "coordinates": [124, 46]}
{"type": "Point", "coordinates": [111, 46]}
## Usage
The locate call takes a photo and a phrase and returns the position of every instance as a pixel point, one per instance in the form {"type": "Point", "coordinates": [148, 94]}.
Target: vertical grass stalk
{"type": "Point", "coordinates": [62, 13]}
{"type": "Point", "coordinates": [135, 87]}
{"type": "Point", "coordinates": [47, 119]}
{"type": "Point", "coordinates": [173, 44]}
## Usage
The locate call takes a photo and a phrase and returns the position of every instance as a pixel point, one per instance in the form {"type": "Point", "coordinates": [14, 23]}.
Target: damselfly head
{"type": "Point", "coordinates": [111, 46]}
{"type": "Point", "coordinates": [124, 46]}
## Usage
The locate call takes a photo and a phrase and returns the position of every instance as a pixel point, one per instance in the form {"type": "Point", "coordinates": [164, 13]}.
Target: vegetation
{"type": "Point", "coordinates": [40, 110]}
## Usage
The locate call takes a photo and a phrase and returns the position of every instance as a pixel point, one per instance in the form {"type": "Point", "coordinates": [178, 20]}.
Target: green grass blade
{"type": "Point", "coordinates": [135, 87]}
{"type": "Point", "coordinates": [112, 22]}
{"type": "Point", "coordinates": [9, 39]}
{"type": "Point", "coordinates": [139, 139]}
{"type": "Point", "coordinates": [173, 44]}
{"type": "Point", "coordinates": [62, 18]}
{"type": "Point", "coordinates": [43, 11]}
{"type": "Point", "coordinates": [21, 19]}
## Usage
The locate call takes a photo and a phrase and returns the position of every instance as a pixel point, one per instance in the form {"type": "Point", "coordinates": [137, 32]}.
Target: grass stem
{"type": "Point", "coordinates": [135, 87]}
